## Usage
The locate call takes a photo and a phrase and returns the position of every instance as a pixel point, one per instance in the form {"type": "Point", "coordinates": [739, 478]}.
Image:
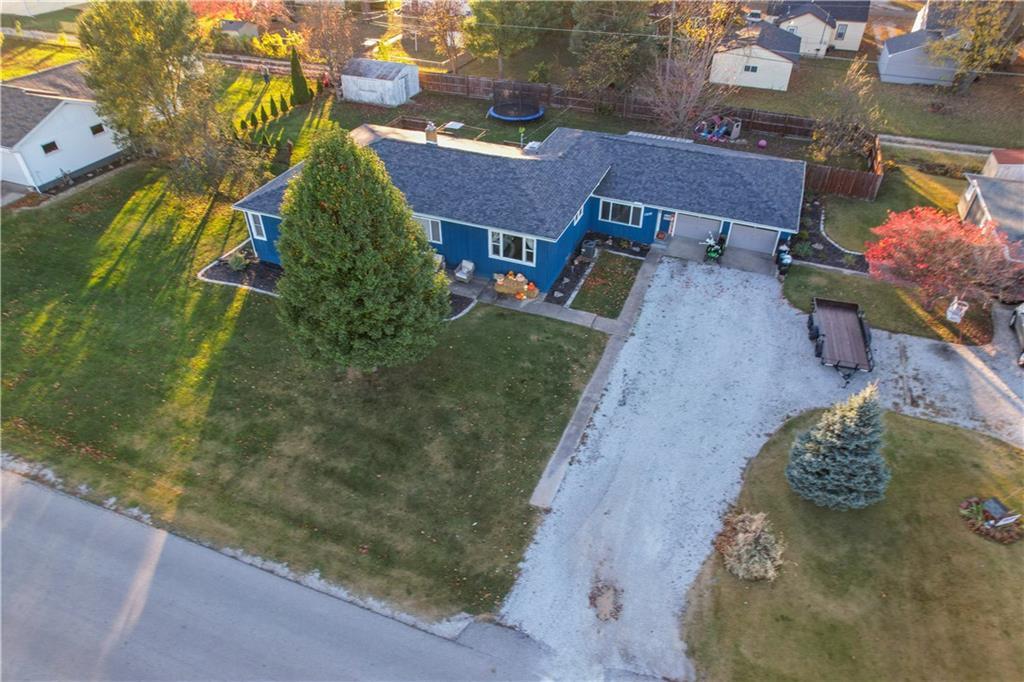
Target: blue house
{"type": "Point", "coordinates": [526, 210]}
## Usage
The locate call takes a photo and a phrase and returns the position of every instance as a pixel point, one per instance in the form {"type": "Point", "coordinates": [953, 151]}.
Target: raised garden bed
{"type": "Point", "coordinates": [811, 244]}
{"type": "Point", "coordinates": [258, 274]}
{"type": "Point", "coordinates": [574, 271]}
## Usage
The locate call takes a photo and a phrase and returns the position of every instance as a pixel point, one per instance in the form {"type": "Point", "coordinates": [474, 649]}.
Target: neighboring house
{"type": "Point", "coordinates": [905, 59]}
{"type": "Point", "coordinates": [822, 25]}
{"type": "Point", "coordinates": [1005, 163]}
{"type": "Point", "coordinates": [760, 56]}
{"type": "Point", "coordinates": [372, 81]}
{"type": "Point", "coordinates": [994, 203]}
{"type": "Point", "coordinates": [240, 30]}
{"type": "Point", "coordinates": [527, 210]}
{"type": "Point", "coordinates": [50, 128]}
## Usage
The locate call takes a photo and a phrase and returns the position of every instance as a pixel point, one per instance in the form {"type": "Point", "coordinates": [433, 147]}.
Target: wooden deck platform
{"type": "Point", "coordinates": [845, 341]}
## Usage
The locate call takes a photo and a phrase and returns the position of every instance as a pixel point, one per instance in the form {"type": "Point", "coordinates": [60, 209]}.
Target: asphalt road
{"type": "Point", "coordinates": [88, 594]}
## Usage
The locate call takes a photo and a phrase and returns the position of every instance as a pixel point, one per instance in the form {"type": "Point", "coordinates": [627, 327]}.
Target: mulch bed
{"type": "Point", "coordinates": [459, 304]}
{"type": "Point", "coordinates": [573, 272]}
{"type": "Point", "coordinates": [258, 275]}
{"type": "Point", "coordinates": [971, 514]}
{"type": "Point", "coordinates": [820, 249]}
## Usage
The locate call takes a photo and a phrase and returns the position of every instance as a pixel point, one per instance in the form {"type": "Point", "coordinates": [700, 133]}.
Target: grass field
{"type": "Point", "coordinates": [899, 591]}
{"type": "Point", "coordinates": [124, 372]}
{"type": "Point", "coordinates": [850, 221]}
{"type": "Point", "coordinates": [242, 92]}
{"type": "Point", "coordinates": [907, 109]}
{"type": "Point", "coordinates": [888, 307]}
{"type": "Point", "coordinates": [58, 21]}
{"type": "Point", "coordinates": [19, 57]}
{"type": "Point", "coordinates": [606, 288]}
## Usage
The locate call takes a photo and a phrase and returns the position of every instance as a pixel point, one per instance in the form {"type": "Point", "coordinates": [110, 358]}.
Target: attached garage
{"type": "Point", "coordinates": [695, 227]}
{"type": "Point", "coordinates": [752, 238]}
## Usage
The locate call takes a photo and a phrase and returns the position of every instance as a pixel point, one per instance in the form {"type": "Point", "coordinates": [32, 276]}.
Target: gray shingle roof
{"type": "Point", "coordinates": [692, 177]}
{"type": "Point", "coordinates": [809, 8]}
{"type": "Point", "coordinates": [909, 41]}
{"type": "Point", "coordinates": [374, 68]}
{"type": "Point", "coordinates": [1004, 200]}
{"type": "Point", "coordinates": [26, 101]}
{"type": "Point", "coordinates": [940, 16]}
{"type": "Point", "coordinates": [233, 24]}
{"type": "Point", "coordinates": [842, 10]}
{"type": "Point", "coordinates": [539, 194]}
{"type": "Point", "coordinates": [770, 37]}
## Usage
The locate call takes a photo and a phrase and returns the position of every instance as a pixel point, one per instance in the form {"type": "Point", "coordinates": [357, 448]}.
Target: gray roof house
{"type": "Point", "coordinates": [50, 128]}
{"type": "Point", "coordinates": [994, 203]}
{"type": "Point", "coordinates": [757, 56]}
{"type": "Point", "coordinates": [504, 208]}
{"type": "Point", "coordinates": [905, 59]}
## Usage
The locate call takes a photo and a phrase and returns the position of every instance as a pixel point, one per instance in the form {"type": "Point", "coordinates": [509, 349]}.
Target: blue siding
{"type": "Point", "coordinates": [644, 233]}
{"type": "Point", "coordinates": [266, 249]}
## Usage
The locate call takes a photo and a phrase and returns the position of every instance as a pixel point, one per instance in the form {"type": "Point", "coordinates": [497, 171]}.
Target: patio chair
{"type": "Point", "coordinates": [464, 272]}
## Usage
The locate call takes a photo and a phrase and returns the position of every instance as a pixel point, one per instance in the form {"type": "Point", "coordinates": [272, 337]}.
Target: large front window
{"type": "Point", "coordinates": [626, 214]}
{"type": "Point", "coordinates": [431, 228]}
{"type": "Point", "coordinates": [513, 247]}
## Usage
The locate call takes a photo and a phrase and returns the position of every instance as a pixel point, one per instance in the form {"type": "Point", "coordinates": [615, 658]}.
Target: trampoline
{"type": "Point", "coordinates": [515, 102]}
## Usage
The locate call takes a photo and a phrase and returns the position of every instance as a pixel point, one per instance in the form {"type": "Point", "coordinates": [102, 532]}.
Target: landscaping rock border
{"type": "Point", "coordinates": [822, 249]}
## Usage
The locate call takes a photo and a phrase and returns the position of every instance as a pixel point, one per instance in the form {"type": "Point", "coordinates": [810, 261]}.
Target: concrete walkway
{"type": "Point", "coordinates": [935, 145]}
{"type": "Point", "coordinates": [40, 36]}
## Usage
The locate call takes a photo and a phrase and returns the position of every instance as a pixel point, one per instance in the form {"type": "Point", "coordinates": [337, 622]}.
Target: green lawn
{"type": "Point", "coordinates": [243, 91]}
{"type": "Point", "coordinates": [62, 20]}
{"type": "Point", "coordinates": [850, 221]}
{"type": "Point", "coordinates": [123, 372]}
{"type": "Point", "coordinates": [606, 288]}
{"type": "Point", "coordinates": [899, 591]}
{"type": "Point", "coordinates": [19, 57]}
{"type": "Point", "coordinates": [906, 108]}
{"type": "Point", "coordinates": [888, 307]}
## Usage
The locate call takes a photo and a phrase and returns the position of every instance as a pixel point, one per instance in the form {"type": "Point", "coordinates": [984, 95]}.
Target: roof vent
{"type": "Point", "coordinates": [532, 147]}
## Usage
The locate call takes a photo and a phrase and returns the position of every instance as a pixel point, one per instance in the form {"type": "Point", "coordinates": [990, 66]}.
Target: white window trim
{"type": "Point", "coordinates": [428, 230]}
{"type": "Point", "coordinates": [579, 215]}
{"type": "Point", "coordinates": [490, 243]}
{"type": "Point", "coordinates": [256, 223]}
{"type": "Point", "coordinates": [639, 207]}
{"type": "Point", "coordinates": [845, 29]}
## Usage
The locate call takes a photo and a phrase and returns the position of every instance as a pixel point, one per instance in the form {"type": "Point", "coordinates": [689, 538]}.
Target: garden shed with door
{"type": "Point", "coordinates": [372, 81]}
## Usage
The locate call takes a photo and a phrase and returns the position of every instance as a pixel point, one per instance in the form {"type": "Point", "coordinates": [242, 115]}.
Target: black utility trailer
{"type": "Point", "coordinates": [841, 336]}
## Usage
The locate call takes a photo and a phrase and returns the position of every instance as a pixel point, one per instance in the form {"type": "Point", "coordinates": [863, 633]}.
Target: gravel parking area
{"type": "Point", "coordinates": [718, 360]}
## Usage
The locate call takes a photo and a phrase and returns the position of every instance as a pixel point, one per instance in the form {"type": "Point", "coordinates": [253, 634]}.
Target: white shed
{"type": "Point", "coordinates": [371, 81]}
{"type": "Point", "coordinates": [760, 56]}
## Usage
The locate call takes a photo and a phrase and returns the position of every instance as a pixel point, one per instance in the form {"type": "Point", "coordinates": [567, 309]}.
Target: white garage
{"type": "Point", "coordinates": [752, 238]}
{"type": "Point", "coordinates": [688, 226]}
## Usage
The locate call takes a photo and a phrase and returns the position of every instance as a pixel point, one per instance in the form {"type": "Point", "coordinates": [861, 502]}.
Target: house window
{"type": "Point", "coordinates": [750, 68]}
{"type": "Point", "coordinates": [513, 247]}
{"type": "Point", "coordinates": [431, 228]}
{"type": "Point", "coordinates": [256, 223]}
{"type": "Point", "coordinates": [791, 29]}
{"type": "Point", "coordinates": [625, 214]}
{"type": "Point", "coordinates": [841, 31]}
{"type": "Point", "coordinates": [50, 147]}
{"type": "Point", "coordinates": [578, 216]}
{"type": "Point", "coordinates": [96, 129]}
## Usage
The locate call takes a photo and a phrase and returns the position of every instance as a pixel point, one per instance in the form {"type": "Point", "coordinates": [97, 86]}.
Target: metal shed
{"type": "Point", "coordinates": [371, 81]}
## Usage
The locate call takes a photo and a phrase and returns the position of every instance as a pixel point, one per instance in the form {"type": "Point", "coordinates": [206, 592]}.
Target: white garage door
{"type": "Point", "coordinates": [752, 238]}
{"type": "Point", "coordinates": [694, 227]}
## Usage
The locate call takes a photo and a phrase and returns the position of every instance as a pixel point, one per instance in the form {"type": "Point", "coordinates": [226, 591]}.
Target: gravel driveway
{"type": "Point", "coordinates": [718, 360]}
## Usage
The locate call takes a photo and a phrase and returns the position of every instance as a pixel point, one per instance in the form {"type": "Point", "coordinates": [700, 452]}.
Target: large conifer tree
{"type": "Point", "coordinates": [300, 86]}
{"type": "Point", "coordinates": [838, 464]}
{"type": "Point", "coordinates": [359, 287]}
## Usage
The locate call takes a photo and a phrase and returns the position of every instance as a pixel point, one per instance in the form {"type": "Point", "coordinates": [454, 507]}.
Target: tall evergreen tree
{"type": "Point", "coordinates": [838, 464]}
{"type": "Point", "coordinates": [253, 121]}
{"type": "Point", "coordinates": [273, 107]}
{"type": "Point", "coordinates": [300, 87]}
{"type": "Point", "coordinates": [263, 114]}
{"type": "Point", "coordinates": [283, 103]}
{"type": "Point", "coordinates": [360, 288]}
{"type": "Point", "coordinates": [500, 28]}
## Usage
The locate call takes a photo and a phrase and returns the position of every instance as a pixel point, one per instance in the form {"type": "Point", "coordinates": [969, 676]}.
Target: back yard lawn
{"type": "Point", "coordinates": [901, 590]}
{"type": "Point", "coordinates": [607, 287]}
{"type": "Point", "coordinates": [20, 57]}
{"type": "Point", "coordinates": [888, 307]}
{"type": "Point", "coordinates": [242, 92]}
{"type": "Point", "coordinates": [973, 118]}
{"type": "Point", "coordinates": [849, 221]}
{"type": "Point", "coordinates": [123, 372]}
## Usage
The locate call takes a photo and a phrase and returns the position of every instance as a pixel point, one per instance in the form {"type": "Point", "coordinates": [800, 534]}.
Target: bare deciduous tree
{"type": "Point", "coordinates": [327, 29]}
{"type": "Point", "coordinates": [442, 20]}
{"type": "Point", "coordinates": [848, 115]}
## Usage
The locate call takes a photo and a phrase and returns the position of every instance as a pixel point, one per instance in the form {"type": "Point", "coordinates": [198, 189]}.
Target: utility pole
{"type": "Point", "coordinates": [671, 28]}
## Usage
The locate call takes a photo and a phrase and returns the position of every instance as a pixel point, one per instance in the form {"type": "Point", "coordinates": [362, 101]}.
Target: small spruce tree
{"type": "Point", "coordinates": [273, 108]}
{"type": "Point", "coordinates": [284, 103]}
{"type": "Point", "coordinates": [359, 287]}
{"type": "Point", "coordinates": [838, 464]}
{"type": "Point", "coordinates": [243, 125]}
{"type": "Point", "coordinates": [263, 115]}
{"type": "Point", "coordinates": [300, 87]}
{"type": "Point", "coordinates": [254, 122]}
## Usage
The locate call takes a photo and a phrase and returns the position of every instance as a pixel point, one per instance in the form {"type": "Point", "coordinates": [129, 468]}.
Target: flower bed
{"type": "Point", "coordinates": [974, 515]}
{"type": "Point", "coordinates": [257, 274]}
{"type": "Point", "coordinates": [811, 244]}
